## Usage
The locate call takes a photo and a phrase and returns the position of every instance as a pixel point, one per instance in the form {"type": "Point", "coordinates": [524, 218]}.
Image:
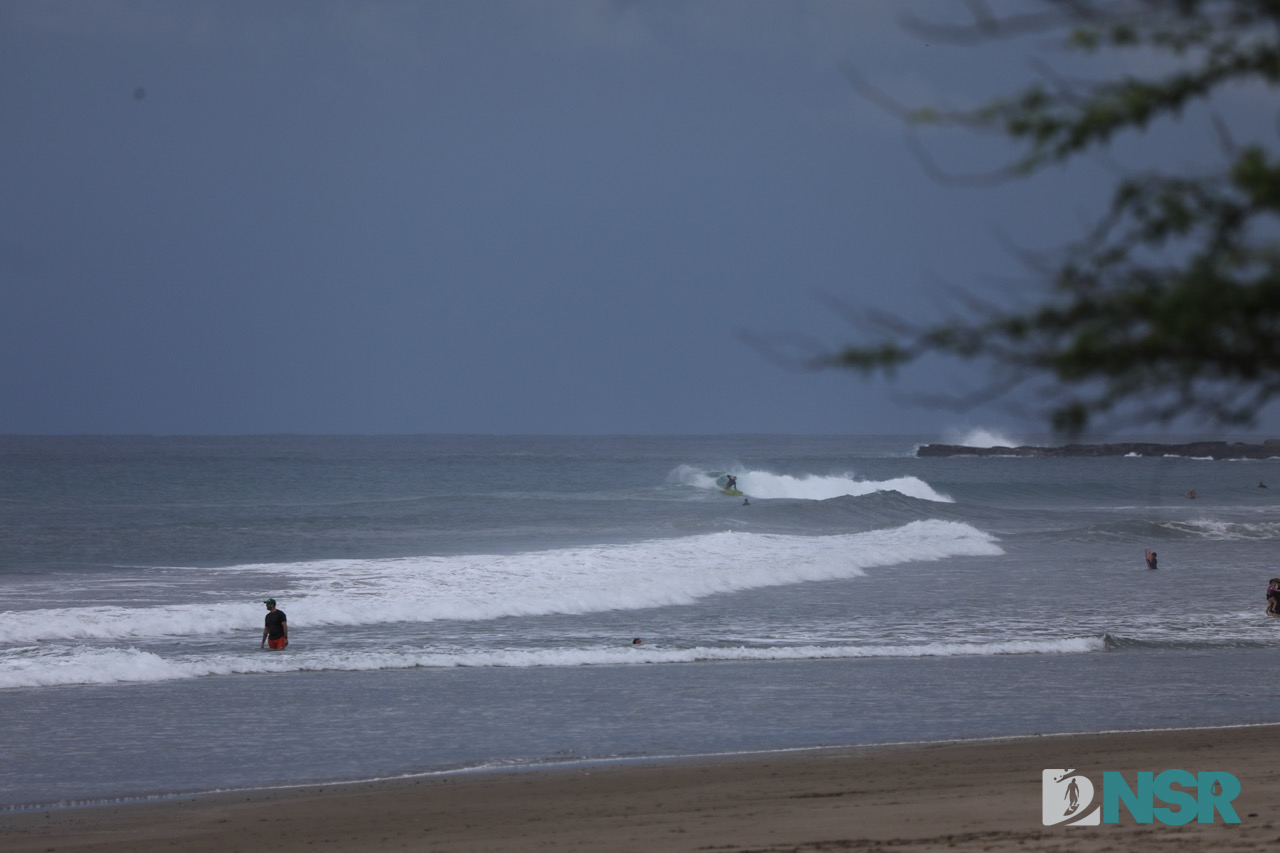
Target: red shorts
{"type": "Point", "coordinates": [278, 643]}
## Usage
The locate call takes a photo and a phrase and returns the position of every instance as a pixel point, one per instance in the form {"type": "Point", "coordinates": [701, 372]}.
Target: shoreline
{"type": "Point", "coordinates": [970, 794]}
{"type": "Point", "coordinates": [1217, 450]}
{"type": "Point", "coordinates": [588, 764]}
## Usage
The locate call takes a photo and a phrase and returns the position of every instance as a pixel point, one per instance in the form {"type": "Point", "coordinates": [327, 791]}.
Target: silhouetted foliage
{"type": "Point", "coordinates": [1170, 306]}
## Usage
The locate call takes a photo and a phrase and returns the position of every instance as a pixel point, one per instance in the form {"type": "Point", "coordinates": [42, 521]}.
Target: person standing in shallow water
{"type": "Point", "coordinates": [275, 630]}
{"type": "Point", "coordinates": [1151, 559]}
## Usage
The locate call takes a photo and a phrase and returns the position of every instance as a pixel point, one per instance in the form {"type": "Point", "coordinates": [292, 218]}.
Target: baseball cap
{"type": "Point", "coordinates": [269, 601]}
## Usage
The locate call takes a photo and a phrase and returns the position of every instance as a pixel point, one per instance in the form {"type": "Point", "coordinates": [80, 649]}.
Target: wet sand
{"type": "Point", "coordinates": [968, 795]}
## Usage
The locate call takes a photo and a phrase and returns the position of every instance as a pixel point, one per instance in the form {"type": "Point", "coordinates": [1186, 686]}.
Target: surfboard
{"type": "Point", "coordinates": [734, 492]}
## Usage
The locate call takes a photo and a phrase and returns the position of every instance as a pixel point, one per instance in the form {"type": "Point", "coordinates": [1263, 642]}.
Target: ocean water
{"type": "Point", "coordinates": [468, 602]}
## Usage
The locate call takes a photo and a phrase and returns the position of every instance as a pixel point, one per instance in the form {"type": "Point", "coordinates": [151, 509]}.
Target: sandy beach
{"type": "Point", "coordinates": [975, 795]}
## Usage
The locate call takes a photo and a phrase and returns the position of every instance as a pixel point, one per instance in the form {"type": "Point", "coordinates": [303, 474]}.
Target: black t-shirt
{"type": "Point", "coordinates": [275, 624]}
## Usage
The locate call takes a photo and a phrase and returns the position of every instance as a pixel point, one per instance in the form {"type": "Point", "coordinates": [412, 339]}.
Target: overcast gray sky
{"type": "Point", "coordinates": [494, 217]}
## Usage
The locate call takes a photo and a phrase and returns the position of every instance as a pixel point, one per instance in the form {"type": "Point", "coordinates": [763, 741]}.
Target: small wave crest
{"type": "Point", "coordinates": [1213, 529]}
{"type": "Point", "coordinates": [116, 666]}
{"type": "Point", "coordinates": [1123, 641]}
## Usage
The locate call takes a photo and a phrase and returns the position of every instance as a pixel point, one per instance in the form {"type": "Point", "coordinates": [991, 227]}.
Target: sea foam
{"type": "Point", "coordinates": [580, 580]}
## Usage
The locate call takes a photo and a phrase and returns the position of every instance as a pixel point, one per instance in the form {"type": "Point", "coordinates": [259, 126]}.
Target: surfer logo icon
{"type": "Point", "coordinates": [1068, 799]}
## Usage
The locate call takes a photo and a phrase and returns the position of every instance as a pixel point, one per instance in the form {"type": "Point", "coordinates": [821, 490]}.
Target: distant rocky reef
{"type": "Point", "coordinates": [1197, 449]}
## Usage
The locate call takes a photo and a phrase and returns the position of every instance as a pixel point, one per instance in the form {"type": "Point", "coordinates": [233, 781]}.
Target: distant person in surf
{"type": "Point", "coordinates": [746, 501]}
{"type": "Point", "coordinates": [1261, 485]}
{"type": "Point", "coordinates": [732, 482]}
{"type": "Point", "coordinates": [1151, 559]}
{"type": "Point", "coordinates": [1191, 493]}
{"type": "Point", "coordinates": [275, 630]}
{"type": "Point", "coordinates": [1273, 597]}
